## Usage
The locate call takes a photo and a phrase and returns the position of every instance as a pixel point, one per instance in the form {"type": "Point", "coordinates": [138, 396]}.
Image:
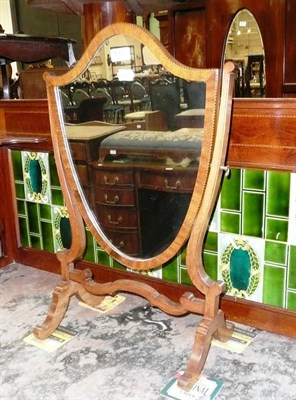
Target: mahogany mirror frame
{"type": "Point", "coordinates": [206, 190]}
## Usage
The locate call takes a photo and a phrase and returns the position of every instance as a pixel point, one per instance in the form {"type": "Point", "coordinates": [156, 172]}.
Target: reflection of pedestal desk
{"type": "Point", "coordinates": [143, 182]}
{"type": "Point", "coordinates": [141, 204]}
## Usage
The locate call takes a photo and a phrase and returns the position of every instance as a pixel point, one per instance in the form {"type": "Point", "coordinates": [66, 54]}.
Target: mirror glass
{"type": "Point", "coordinates": [244, 46]}
{"type": "Point", "coordinates": [135, 132]}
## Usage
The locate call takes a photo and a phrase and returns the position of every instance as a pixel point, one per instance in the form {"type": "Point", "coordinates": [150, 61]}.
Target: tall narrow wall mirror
{"type": "Point", "coordinates": [244, 46]}
{"type": "Point", "coordinates": [139, 142]}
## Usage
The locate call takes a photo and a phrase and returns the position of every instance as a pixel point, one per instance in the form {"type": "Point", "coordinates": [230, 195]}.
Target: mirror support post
{"type": "Point", "coordinates": [213, 323]}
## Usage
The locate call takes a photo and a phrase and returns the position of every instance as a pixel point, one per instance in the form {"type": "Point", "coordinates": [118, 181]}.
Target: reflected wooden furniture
{"type": "Point", "coordinates": [85, 140]}
{"type": "Point", "coordinates": [137, 175]}
{"type": "Point", "coordinates": [32, 84]}
{"type": "Point", "coordinates": [191, 118]}
{"type": "Point", "coordinates": [31, 49]}
{"type": "Point", "coordinates": [131, 203]}
{"type": "Point", "coordinates": [146, 120]}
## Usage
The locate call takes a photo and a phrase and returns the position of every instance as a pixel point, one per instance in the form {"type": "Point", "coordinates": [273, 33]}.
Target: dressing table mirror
{"type": "Point", "coordinates": [141, 171]}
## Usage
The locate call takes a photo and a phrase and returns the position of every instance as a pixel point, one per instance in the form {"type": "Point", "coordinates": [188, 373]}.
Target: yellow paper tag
{"type": "Point", "coordinates": [57, 339]}
{"type": "Point", "coordinates": [109, 303]}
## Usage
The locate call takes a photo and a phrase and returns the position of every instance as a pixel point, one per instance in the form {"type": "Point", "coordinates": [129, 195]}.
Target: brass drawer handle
{"type": "Point", "coordinates": [114, 201]}
{"type": "Point", "coordinates": [115, 182]}
{"type": "Point", "coordinates": [118, 222]}
{"type": "Point", "coordinates": [177, 185]}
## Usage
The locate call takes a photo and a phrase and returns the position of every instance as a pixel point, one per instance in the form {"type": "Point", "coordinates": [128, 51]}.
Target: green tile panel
{"type": "Point", "coordinates": [47, 235]}
{"type": "Point", "coordinates": [170, 271]}
{"type": "Point", "coordinates": [24, 231]}
{"type": "Point", "coordinates": [278, 194]}
{"type": "Point", "coordinates": [211, 241]}
{"type": "Point", "coordinates": [276, 253]}
{"type": "Point", "coordinates": [274, 286]}
{"type": "Point", "coordinates": [20, 190]}
{"type": "Point", "coordinates": [254, 180]}
{"type": "Point", "coordinates": [103, 258]}
{"type": "Point", "coordinates": [253, 212]}
{"type": "Point", "coordinates": [291, 300]}
{"type": "Point", "coordinates": [89, 252]}
{"type": "Point", "coordinates": [36, 242]}
{"type": "Point", "coordinates": [211, 265]}
{"type": "Point", "coordinates": [231, 189]}
{"type": "Point", "coordinates": [184, 277]}
{"type": "Point", "coordinates": [33, 217]}
{"type": "Point", "coordinates": [277, 229]}
{"type": "Point", "coordinates": [292, 268]}
{"type": "Point", "coordinates": [17, 165]}
{"type": "Point", "coordinates": [252, 204]}
{"type": "Point", "coordinates": [230, 222]}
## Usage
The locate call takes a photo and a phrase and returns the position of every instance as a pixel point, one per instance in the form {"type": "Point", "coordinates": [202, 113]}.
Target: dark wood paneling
{"type": "Point", "coordinates": [24, 117]}
{"type": "Point", "coordinates": [263, 134]}
{"type": "Point", "coordinates": [290, 48]}
{"type": "Point", "coordinates": [7, 211]}
{"type": "Point", "coordinates": [190, 30]}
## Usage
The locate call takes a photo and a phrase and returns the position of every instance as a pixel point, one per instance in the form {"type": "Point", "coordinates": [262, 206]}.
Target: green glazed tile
{"type": "Point", "coordinates": [57, 197]}
{"type": "Point", "coordinates": [185, 279]}
{"type": "Point", "coordinates": [17, 165]}
{"type": "Point", "coordinates": [211, 265]}
{"type": "Point", "coordinates": [231, 189]}
{"type": "Point", "coordinates": [20, 191]}
{"type": "Point", "coordinates": [230, 222]}
{"type": "Point", "coordinates": [45, 212]}
{"type": "Point", "coordinates": [24, 232]}
{"type": "Point", "coordinates": [103, 258]}
{"type": "Point", "coordinates": [276, 229]}
{"type": "Point", "coordinates": [274, 286]}
{"type": "Point", "coordinates": [253, 214]}
{"type": "Point", "coordinates": [278, 193]}
{"type": "Point", "coordinates": [291, 301]}
{"type": "Point", "coordinates": [36, 242]}
{"type": "Point", "coordinates": [47, 236]}
{"type": "Point", "coordinates": [182, 257]}
{"type": "Point", "coordinates": [275, 253]}
{"type": "Point", "coordinates": [21, 206]}
{"type": "Point", "coordinates": [117, 265]}
{"type": "Point", "coordinates": [54, 179]}
{"type": "Point", "coordinates": [254, 180]}
{"type": "Point", "coordinates": [170, 271]}
{"type": "Point", "coordinates": [66, 232]}
{"type": "Point", "coordinates": [292, 268]}
{"type": "Point", "coordinates": [211, 241]}
{"type": "Point", "coordinates": [33, 217]}
{"type": "Point", "coordinates": [89, 252]}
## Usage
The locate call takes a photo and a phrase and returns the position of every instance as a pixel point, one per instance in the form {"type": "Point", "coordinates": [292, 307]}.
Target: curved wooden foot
{"type": "Point", "coordinates": [203, 337]}
{"type": "Point", "coordinates": [59, 304]}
